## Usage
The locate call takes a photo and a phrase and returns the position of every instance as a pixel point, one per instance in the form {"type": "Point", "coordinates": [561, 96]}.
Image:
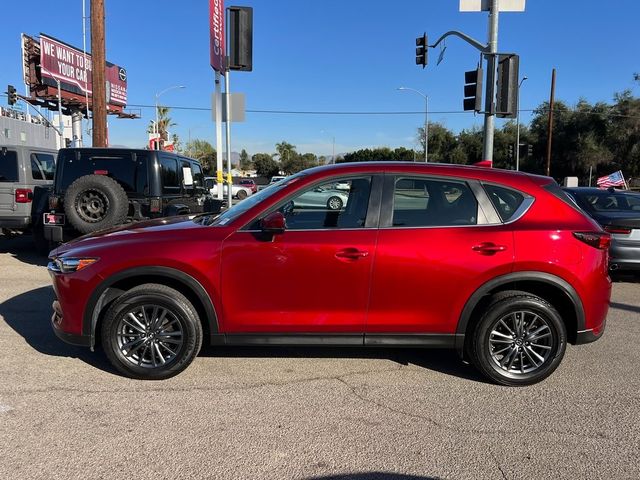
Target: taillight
{"type": "Point", "coordinates": [23, 195]}
{"type": "Point", "coordinates": [599, 240]}
{"type": "Point", "coordinates": [620, 230]}
{"type": "Point", "coordinates": [53, 202]}
{"type": "Point", "coordinates": [155, 206]}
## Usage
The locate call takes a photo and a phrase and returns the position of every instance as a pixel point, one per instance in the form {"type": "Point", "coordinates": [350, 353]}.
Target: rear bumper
{"type": "Point", "coordinates": [624, 255]}
{"type": "Point", "coordinates": [588, 336]}
{"type": "Point", "coordinates": [15, 222]}
{"type": "Point", "coordinates": [54, 233]}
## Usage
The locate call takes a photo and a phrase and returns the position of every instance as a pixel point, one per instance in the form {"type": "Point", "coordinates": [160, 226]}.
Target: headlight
{"type": "Point", "coordinates": [70, 265]}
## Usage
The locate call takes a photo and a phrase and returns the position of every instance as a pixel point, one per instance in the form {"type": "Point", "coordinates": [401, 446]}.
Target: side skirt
{"type": "Point", "coordinates": [372, 340]}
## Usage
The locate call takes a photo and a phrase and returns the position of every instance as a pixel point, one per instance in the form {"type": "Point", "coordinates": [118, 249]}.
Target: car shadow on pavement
{"type": "Point", "coordinates": [29, 315]}
{"type": "Point", "coordinates": [372, 476]}
{"type": "Point", "coordinates": [22, 248]}
{"type": "Point", "coordinates": [439, 360]}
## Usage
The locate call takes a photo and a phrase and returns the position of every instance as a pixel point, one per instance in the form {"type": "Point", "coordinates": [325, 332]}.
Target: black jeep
{"type": "Point", "coordinates": [98, 188]}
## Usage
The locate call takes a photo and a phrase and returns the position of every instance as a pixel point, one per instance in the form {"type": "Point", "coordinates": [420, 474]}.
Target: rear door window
{"type": "Point", "coordinates": [121, 166]}
{"type": "Point", "coordinates": [8, 166]}
{"type": "Point", "coordinates": [428, 202]}
{"type": "Point", "coordinates": [43, 166]}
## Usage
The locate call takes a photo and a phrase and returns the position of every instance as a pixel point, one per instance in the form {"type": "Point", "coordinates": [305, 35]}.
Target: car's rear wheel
{"type": "Point", "coordinates": [242, 194]}
{"type": "Point", "coordinates": [334, 203]}
{"type": "Point", "coordinates": [520, 340]}
{"type": "Point", "coordinates": [151, 332]}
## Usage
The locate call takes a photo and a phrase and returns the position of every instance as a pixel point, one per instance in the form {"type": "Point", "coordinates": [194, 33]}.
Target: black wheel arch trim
{"type": "Point", "coordinates": [104, 293]}
{"type": "Point", "coordinates": [523, 276]}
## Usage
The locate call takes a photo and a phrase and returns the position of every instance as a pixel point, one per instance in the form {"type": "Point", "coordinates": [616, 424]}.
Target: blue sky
{"type": "Point", "coordinates": [348, 55]}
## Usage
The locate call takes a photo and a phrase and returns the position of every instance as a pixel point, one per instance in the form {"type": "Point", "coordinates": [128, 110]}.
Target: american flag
{"type": "Point", "coordinates": [613, 180]}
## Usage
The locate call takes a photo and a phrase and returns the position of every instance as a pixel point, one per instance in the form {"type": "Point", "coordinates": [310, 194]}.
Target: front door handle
{"type": "Point", "coordinates": [488, 248]}
{"type": "Point", "coordinates": [351, 254]}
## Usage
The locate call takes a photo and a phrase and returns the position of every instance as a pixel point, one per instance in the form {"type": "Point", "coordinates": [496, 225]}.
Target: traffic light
{"type": "Point", "coordinates": [241, 38]}
{"type": "Point", "coordinates": [421, 50]}
{"type": "Point", "coordinates": [510, 152]}
{"type": "Point", "coordinates": [529, 150]}
{"type": "Point", "coordinates": [507, 86]}
{"type": "Point", "coordinates": [473, 90]}
{"type": "Point", "coordinates": [13, 95]}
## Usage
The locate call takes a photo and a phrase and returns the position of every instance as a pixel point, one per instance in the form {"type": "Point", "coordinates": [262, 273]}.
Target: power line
{"type": "Point", "coordinates": [419, 112]}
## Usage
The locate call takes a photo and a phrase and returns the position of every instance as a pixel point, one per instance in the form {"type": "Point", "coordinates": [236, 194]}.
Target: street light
{"type": "Point", "coordinates": [426, 120]}
{"type": "Point", "coordinates": [518, 125]}
{"type": "Point", "coordinates": [156, 130]}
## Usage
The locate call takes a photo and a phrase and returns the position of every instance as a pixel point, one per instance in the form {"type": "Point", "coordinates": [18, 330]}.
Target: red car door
{"type": "Point", "coordinates": [434, 250]}
{"type": "Point", "coordinates": [314, 277]}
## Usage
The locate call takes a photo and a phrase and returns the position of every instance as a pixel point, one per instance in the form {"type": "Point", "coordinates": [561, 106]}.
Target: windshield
{"type": "Point", "coordinates": [606, 201]}
{"type": "Point", "coordinates": [239, 208]}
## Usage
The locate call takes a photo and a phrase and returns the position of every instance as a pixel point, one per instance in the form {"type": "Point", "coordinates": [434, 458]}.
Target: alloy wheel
{"type": "Point", "coordinates": [149, 336]}
{"type": "Point", "coordinates": [521, 342]}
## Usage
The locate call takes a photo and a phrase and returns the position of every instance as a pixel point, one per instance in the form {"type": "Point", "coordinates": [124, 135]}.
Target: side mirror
{"type": "Point", "coordinates": [273, 223]}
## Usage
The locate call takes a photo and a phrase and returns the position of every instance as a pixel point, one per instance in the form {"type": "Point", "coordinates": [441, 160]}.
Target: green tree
{"type": "Point", "coordinates": [265, 165]}
{"type": "Point", "coordinates": [245, 162]}
{"type": "Point", "coordinates": [204, 152]}
{"type": "Point", "coordinates": [164, 123]}
{"type": "Point", "coordinates": [441, 143]}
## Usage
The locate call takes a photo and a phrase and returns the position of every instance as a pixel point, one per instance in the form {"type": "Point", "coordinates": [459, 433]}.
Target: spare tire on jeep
{"type": "Point", "coordinates": [94, 202]}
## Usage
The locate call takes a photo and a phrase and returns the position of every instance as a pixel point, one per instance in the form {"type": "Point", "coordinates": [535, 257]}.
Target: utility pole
{"type": "Point", "coordinates": [489, 116]}
{"type": "Point", "coordinates": [550, 134]}
{"type": "Point", "coordinates": [99, 99]}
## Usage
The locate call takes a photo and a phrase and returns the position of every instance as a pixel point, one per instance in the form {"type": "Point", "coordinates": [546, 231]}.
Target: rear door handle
{"type": "Point", "coordinates": [488, 248]}
{"type": "Point", "coordinates": [351, 254]}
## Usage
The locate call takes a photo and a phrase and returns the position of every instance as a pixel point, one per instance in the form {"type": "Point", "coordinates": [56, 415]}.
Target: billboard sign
{"type": "Point", "coordinates": [216, 34]}
{"type": "Point", "coordinates": [61, 62]}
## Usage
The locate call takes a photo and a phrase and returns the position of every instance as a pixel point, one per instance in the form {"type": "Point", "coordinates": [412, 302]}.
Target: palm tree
{"type": "Point", "coordinates": [164, 123]}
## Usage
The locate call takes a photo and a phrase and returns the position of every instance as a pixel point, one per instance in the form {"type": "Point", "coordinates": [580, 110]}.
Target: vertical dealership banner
{"type": "Point", "coordinates": [216, 34]}
{"type": "Point", "coordinates": [59, 61]}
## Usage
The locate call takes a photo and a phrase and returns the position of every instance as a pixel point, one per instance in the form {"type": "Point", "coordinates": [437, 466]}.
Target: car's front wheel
{"type": "Point", "coordinates": [520, 340]}
{"type": "Point", "coordinates": [151, 332]}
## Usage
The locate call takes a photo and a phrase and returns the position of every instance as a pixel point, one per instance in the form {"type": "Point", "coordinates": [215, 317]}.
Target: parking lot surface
{"type": "Point", "coordinates": [306, 413]}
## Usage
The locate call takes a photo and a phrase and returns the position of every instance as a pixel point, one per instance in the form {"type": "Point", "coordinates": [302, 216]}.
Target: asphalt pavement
{"type": "Point", "coordinates": [302, 413]}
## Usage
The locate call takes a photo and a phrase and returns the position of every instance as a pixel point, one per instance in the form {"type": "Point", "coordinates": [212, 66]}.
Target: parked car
{"type": "Point", "coordinates": [237, 191]}
{"type": "Point", "coordinates": [276, 179]}
{"type": "Point", "coordinates": [22, 170]}
{"type": "Point", "coordinates": [618, 212]}
{"type": "Point", "coordinates": [501, 266]}
{"type": "Point", "coordinates": [248, 183]}
{"type": "Point", "coordinates": [99, 188]}
{"type": "Point", "coordinates": [327, 196]}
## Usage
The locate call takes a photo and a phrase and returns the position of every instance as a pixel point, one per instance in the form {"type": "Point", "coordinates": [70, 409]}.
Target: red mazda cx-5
{"type": "Point", "coordinates": [499, 265]}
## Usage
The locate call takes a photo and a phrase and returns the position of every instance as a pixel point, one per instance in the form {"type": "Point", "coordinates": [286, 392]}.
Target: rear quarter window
{"type": "Point", "coordinates": [8, 166]}
{"type": "Point", "coordinates": [505, 200]}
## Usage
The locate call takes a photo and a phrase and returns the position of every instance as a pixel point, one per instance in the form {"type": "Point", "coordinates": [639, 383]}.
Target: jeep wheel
{"type": "Point", "coordinates": [151, 332]}
{"type": "Point", "coordinates": [519, 341]}
{"type": "Point", "coordinates": [95, 202]}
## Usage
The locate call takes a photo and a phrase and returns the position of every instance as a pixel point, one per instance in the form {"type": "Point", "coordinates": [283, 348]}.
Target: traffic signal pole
{"type": "Point", "coordinates": [489, 115]}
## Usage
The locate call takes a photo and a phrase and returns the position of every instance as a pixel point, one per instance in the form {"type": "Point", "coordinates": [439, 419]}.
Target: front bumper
{"type": "Point", "coordinates": [71, 338]}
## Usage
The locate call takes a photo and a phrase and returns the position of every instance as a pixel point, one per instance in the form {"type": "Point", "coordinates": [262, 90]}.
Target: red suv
{"type": "Point", "coordinates": [501, 266]}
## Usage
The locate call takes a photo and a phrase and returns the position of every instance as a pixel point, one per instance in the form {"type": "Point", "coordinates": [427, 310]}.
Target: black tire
{"type": "Point", "coordinates": [518, 358]}
{"type": "Point", "coordinates": [124, 339]}
{"type": "Point", "coordinates": [334, 203]}
{"type": "Point", "coordinates": [95, 202]}
{"type": "Point", "coordinates": [241, 195]}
